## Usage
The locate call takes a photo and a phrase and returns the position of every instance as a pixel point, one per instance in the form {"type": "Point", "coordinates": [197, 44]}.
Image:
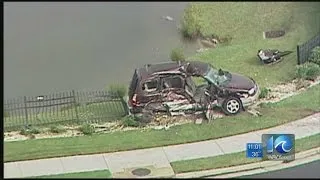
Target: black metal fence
{"type": "Point", "coordinates": [63, 108]}
{"type": "Point", "coordinates": [303, 51]}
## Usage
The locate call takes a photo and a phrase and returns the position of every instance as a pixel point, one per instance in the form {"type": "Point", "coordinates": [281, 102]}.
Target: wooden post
{"type": "Point", "coordinates": [75, 104]}
{"type": "Point", "coordinates": [26, 110]}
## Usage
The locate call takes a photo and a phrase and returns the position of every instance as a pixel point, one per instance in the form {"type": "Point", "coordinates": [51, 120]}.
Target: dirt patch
{"type": "Point", "coordinates": [47, 134]}
{"type": "Point", "coordinates": [273, 34]}
{"type": "Point", "coordinates": [159, 122]}
{"type": "Point", "coordinates": [206, 43]}
{"type": "Point", "coordinates": [14, 136]}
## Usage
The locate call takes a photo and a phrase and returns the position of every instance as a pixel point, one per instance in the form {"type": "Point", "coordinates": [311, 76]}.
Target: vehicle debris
{"type": "Point", "coordinates": [271, 56]}
{"type": "Point", "coordinates": [202, 50]}
{"type": "Point", "coordinates": [198, 121]}
{"type": "Point", "coordinates": [254, 112]}
{"type": "Point", "coordinates": [168, 88]}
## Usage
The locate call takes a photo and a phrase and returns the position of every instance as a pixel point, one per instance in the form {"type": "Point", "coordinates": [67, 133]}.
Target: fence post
{"type": "Point", "coordinates": [298, 54]}
{"type": "Point", "coordinates": [75, 104]}
{"type": "Point", "coordinates": [26, 110]}
{"type": "Point", "coordinates": [125, 106]}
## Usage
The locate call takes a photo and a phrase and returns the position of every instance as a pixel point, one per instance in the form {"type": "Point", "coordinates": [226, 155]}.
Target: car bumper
{"type": "Point", "coordinates": [251, 99]}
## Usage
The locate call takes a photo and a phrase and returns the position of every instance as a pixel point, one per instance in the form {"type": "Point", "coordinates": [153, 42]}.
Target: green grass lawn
{"type": "Point", "coordinates": [90, 174]}
{"type": "Point", "coordinates": [235, 159]}
{"type": "Point", "coordinates": [273, 114]}
{"type": "Point", "coordinates": [245, 23]}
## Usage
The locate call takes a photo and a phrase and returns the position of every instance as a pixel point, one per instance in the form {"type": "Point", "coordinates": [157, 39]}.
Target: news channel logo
{"type": "Point", "coordinates": [278, 147]}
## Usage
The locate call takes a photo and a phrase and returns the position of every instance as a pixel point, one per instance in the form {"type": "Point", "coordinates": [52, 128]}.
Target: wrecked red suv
{"type": "Point", "coordinates": [169, 87]}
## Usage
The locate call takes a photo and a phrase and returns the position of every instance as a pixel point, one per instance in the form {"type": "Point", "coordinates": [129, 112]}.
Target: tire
{"type": "Point", "coordinates": [232, 105]}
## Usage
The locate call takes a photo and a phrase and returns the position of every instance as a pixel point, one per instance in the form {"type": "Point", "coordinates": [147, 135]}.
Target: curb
{"type": "Point", "coordinates": [273, 168]}
{"type": "Point", "coordinates": [253, 168]}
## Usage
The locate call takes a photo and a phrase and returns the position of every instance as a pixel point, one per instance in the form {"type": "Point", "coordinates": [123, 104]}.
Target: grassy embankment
{"type": "Point", "coordinates": [245, 23]}
{"type": "Point", "coordinates": [282, 112]}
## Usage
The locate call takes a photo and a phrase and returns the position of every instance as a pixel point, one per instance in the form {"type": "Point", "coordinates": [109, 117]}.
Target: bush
{"type": "Point", "coordinates": [192, 22]}
{"type": "Point", "coordinates": [308, 71]}
{"type": "Point", "coordinates": [57, 129]}
{"type": "Point", "coordinates": [177, 55]}
{"type": "Point", "coordinates": [87, 129]}
{"type": "Point", "coordinates": [35, 130]}
{"type": "Point", "coordinates": [117, 90]}
{"type": "Point", "coordinates": [264, 92]}
{"type": "Point", "coordinates": [196, 22]}
{"type": "Point", "coordinates": [130, 121]}
{"type": "Point", "coordinates": [24, 132]}
{"type": "Point", "coordinates": [27, 131]}
{"type": "Point", "coordinates": [315, 55]}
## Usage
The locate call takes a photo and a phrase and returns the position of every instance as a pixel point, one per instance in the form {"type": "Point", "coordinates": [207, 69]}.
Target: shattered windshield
{"type": "Point", "coordinates": [213, 76]}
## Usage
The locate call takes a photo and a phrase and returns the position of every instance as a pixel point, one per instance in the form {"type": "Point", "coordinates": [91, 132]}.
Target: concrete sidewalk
{"type": "Point", "coordinates": [156, 159]}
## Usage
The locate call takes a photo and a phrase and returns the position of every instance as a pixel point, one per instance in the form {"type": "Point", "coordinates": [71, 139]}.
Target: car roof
{"type": "Point", "coordinates": [149, 69]}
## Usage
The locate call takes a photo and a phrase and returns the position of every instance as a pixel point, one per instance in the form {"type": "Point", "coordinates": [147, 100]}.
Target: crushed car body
{"type": "Point", "coordinates": [168, 87]}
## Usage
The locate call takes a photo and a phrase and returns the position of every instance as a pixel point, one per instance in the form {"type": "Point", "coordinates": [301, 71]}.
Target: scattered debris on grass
{"type": "Point", "coordinates": [159, 121]}
{"type": "Point", "coordinates": [286, 90]}
{"type": "Point", "coordinates": [202, 50]}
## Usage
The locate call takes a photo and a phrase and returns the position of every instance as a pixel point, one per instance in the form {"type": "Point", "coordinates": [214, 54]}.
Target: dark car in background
{"type": "Point", "coordinates": [169, 86]}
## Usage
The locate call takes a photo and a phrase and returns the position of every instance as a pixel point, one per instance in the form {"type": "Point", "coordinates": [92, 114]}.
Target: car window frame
{"type": "Point", "coordinates": [147, 92]}
{"type": "Point", "coordinates": [173, 76]}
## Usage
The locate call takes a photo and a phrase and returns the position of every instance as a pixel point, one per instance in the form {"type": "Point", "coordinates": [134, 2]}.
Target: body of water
{"type": "Point", "coordinates": [59, 46]}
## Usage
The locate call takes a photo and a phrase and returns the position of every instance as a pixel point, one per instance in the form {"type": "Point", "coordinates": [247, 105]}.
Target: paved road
{"type": "Point", "coordinates": [309, 170]}
{"type": "Point", "coordinates": [120, 163]}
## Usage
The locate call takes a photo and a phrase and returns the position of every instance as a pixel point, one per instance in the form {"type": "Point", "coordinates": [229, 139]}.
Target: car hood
{"type": "Point", "coordinates": [239, 82]}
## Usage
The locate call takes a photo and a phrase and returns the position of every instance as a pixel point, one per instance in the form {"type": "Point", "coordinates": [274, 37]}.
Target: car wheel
{"type": "Point", "coordinates": [232, 106]}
